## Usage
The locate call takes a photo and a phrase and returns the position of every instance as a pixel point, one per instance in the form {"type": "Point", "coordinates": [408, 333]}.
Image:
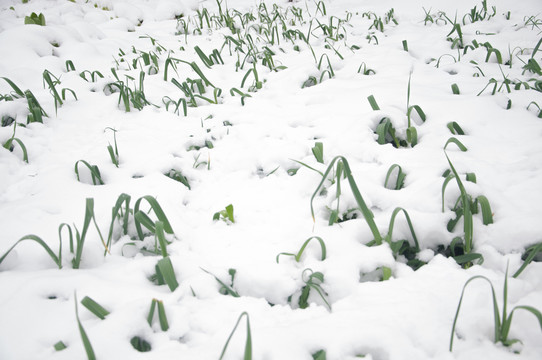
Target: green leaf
{"type": "Point", "coordinates": [319, 355]}
{"type": "Point", "coordinates": [84, 336]}
{"type": "Point", "coordinates": [59, 346]}
{"type": "Point", "coordinates": [455, 89]}
{"type": "Point", "coordinates": [140, 344]}
{"type": "Point", "coordinates": [229, 290]}
{"type": "Point", "coordinates": [532, 252]}
{"type": "Point", "coordinates": [94, 307]}
{"type": "Point", "coordinates": [487, 214]}
{"type": "Point", "coordinates": [56, 259]}
{"type": "Point", "coordinates": [164, 269]}
{"type": "Point", "coordinates": [497, 320]}
{"type": "Point", "coordinates": [248, 342]}
{"type": "Point", "coordinates": [318, 152]}
{"type": "Point", "coordinates": [373, 103]}
{"type": "Point", "coordinates": [400, 178]}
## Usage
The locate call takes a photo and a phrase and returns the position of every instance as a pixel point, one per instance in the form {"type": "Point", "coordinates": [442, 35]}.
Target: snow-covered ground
{"type": "Point", "coordinates": [247, 151]}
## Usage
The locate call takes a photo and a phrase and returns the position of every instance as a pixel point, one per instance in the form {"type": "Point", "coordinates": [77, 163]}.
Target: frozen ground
{"type": "Point", "coordinates": [247, 156]}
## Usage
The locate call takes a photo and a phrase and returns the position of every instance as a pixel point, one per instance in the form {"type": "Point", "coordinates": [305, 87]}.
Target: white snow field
{"type": "Point", "coordinates": [218, 121]}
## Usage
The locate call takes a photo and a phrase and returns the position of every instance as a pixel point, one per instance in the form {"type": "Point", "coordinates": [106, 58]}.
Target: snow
{"type": "Point", "coordinates": [254, 148]}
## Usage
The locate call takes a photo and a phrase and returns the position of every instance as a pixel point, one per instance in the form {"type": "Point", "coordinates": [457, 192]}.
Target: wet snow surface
{"type": "Point", "coordinates": [250, 156]}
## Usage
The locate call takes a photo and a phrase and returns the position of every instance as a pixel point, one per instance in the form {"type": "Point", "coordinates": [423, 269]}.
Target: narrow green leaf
{"type": "Point", "coordinates": [165, 268]}
{"type": "Point", "coordinates": [497, 320]}
{"type": "Point", "coordinates": [162, 316]}
{"type": "Point", "coordinates": [56, 259]}
{"type": "Point", "coordinates": [487, 214]}
{"type": "Point", "coordinates": [373, 103]}
{"type": "Point", "coordinates": [84, 336]}
{"type": "Point", "coordinates": [318, 152]}
{"type": "Point", "coordinates": [532, 252]}
{"type": "Point", "coordinates": [94, 307]}
{"type": "Point", "coordinates": [248, 343]}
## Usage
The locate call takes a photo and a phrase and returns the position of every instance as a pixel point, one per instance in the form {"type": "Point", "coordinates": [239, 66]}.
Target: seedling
{"type": "Point", "coordinates": [314, 282]}
{"type": "Point", "coordinates": [225, 215]}
{"type": "Point", "coordinates": [464, 208]}
{"type": "Point", "coordinates": [501, 325]}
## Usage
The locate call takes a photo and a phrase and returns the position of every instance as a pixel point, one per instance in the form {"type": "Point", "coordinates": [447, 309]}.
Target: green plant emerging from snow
{"type": "Point", "coordinates": [502, 323]}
